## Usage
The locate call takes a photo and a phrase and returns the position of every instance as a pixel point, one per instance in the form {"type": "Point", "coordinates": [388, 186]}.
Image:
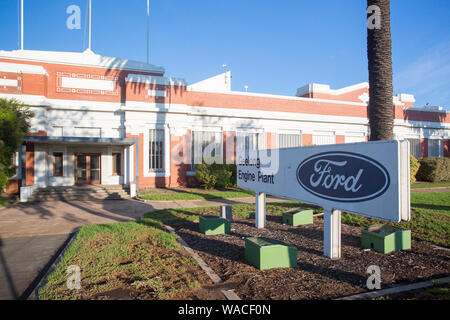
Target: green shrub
{"type": "Point", "coordinates": [223, 176]}
{"type": "Point", "coordinates": [216, 175]}
{"type": "Point", "coordinates": [434, 169]}
{"type": "Point", "coordinates": [414, 166]}
{"type": "Point", "coordinates": [203, 173]}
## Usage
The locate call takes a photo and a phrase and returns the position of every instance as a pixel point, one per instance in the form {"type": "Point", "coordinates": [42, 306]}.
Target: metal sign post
{"type": "Point", "coordinates": [260, 214]}
{"type": "Point", "coordinates": [369, 179]}
{"type": "Point", "coordinates": [332, 233]}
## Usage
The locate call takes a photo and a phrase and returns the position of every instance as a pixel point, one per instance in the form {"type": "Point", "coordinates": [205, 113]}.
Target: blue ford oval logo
{"type": "Point", "coordinates": [343, 177]}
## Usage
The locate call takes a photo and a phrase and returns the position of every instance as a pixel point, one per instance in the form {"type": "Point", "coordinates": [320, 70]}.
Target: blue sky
{"type": "Point", "coordinates": [271, 46]}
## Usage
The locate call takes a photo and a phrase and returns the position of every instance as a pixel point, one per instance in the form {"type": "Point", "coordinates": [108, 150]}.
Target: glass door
{"type": "Point", "coordinates": [81, 169]}
{"type": "Point", "coordinates": [94, 168]}
{"type": "Point", "coordinates": [87, 169]}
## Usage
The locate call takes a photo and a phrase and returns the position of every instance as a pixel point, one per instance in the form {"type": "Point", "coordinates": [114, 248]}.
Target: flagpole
{"type": "Point", "coordinates": [21, 24]}
{"type": "Point", "coordinates": [148, 28]}
{"type": "Point", "coordinates": [90, 7]}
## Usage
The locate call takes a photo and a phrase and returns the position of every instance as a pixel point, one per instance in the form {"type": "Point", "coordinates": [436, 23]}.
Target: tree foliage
{"type": "Point", "coordinates": [14, 125]}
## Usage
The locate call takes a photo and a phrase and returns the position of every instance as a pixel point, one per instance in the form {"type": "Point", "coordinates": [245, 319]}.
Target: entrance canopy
{"type": "Point", "coordinates": [80, 140]}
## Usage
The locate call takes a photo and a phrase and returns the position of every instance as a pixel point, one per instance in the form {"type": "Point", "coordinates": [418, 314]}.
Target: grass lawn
{"type": "Point", "coordinates": [423, 185]}
{"type": "Point", "coordinates": [437, 292]}
{"type": "Point", "coordinates": [4, 202]}
{"type": "Point", "coordinates": [246, 211]}
{"type": "Point", "coordinates": [429, 222]}
{"type": "Point", "coordinates": [193, 194]}
{"type": "Point", "coordinates": [132, 258]}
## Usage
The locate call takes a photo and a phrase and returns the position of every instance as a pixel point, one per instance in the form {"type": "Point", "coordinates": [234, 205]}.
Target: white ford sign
{"type": "Point", "coordinates": [369, 178]}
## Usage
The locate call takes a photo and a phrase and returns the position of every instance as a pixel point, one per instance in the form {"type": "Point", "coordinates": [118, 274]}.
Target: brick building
{"type": "Point", "coordinates": [110, 121]}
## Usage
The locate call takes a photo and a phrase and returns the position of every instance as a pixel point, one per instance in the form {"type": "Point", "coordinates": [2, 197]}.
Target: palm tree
{"type": "Point", "coordinates": [381, 113]}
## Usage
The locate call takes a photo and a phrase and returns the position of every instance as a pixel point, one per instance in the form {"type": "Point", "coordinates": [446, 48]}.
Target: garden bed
{"type": "Point", "coordinates": [316, 277]}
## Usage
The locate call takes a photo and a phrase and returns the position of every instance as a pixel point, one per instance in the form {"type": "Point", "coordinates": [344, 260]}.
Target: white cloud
{"type": "Point", "coordinates": [428, 77]}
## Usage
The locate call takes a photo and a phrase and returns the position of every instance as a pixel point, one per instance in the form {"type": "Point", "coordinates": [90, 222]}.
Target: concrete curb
{"type": "Point", "coordinates": [229, 294]}
{"type": "Point", "coordinates": [399, 289]}
{"type": "Point", "coordinates": [33, 295]}
{"type": "Point", "coordinates": [424, 190]}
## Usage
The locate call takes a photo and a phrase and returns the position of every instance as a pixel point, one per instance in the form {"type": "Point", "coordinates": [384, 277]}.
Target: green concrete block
{"type": "Point", "coordinates": [210, 225]}
{"type": "Point", "coordinates": [298, 217]}
{"type": "Point", "coordinates": [265, 253]}
{"type": "Point", "coordinates": [385, 238]}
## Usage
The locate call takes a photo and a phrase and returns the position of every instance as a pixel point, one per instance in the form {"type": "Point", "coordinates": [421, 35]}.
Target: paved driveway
{"type": "Point", "coordinates": [60, 217]}
{"type": "Point", "coordinates": [23, 259]}
{"type": "Point", "coordinates": [31, 234]}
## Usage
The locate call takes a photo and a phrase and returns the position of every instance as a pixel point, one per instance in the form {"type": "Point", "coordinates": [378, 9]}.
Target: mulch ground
{"type": "Point", "coordinates": [316, 277]}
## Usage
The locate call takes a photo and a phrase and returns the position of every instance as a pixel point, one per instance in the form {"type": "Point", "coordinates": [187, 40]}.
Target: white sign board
{"type": "Point", "coordinates": [368, 178]}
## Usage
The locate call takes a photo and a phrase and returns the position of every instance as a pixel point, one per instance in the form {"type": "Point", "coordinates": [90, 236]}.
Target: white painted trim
{"type": "Point", "coordinates": [156, 93]}
{"type": "Point", "coordinates": [325, 89]}
{"type": "Point", "coordinates": [94, 84]}
{"type": "Point", "coordinates": [249, 130]}
{"type": "Point", "coordinates": [22, 68]}
{"type": "Point", "coordinates": [426, 110]}
{"type": "Point", "coordinates": [265, 95]}
{"type": "Point", "coordinates": [206, 128]}
{"type": "Point", "coordinates": [9, 82]}
{"type": "Point", "coordinates": [355, 134]}
{"type": "Point", "coordinates": [324, 133]}
{"type": "Point", "coordinates": [406, 97]}
{"type": "Point", "coordinates": [85, 59]}
{"type": "Point", "coordinates": [154, 80]}
{"type": "Point", "coordinates": [288, 131]}
{"type": "Point", "coordinates": [28, 99]}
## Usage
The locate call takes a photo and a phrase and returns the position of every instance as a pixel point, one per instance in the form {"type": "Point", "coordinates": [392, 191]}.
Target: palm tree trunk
{"type": "Point", "coordinates": [381, 113]}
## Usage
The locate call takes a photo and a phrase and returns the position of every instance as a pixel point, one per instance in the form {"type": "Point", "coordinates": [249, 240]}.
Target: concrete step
{"type": "Point", "coordinates": [79, 197]}
{"type": "Point", "coordinates": [50, 192]}
{"type": "Point", "coordinates": [89, 192]}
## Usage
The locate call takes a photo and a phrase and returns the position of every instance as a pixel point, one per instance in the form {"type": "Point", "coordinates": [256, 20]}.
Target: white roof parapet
{"type": "Point", "coordinates": [219, 83]}
{"type": "Point", "coordinates": [431, 108]}
{"type": "Point", "coordinates": [22, 68]}
{"type": "Point", "coordinates": [325, 88]}
{"type": "Point", "coordinates": [154, 80]}
{"type": "Point", "coordinates": [396, 101]}
{"type": "Point", "coordinates": [86, 58]}
{"type": "Point", "coordinates": [403, 97]}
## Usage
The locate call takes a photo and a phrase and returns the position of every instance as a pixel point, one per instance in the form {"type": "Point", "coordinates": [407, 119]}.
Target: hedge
{"type": "Point", "coordinates": [414, 166]}
{"type": "Point", "coordinates": [434, 169]}
{"type": "Point", "coordinates": [216, 175]}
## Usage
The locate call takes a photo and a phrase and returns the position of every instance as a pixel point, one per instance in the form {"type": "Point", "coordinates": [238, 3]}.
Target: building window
{"type": "Point", "coordinates": [354, 139]}
{"type": "Point", "coordinates": [414, 146]}
{"type": "Point", "coordinates": [156, 150]}
{"type": "Point", "coordinates": [288, 140]}
{"type": "Point", "coordinates": [57, 164]}
{"type": "Point", "coordinates": [323, 138]}
{"type": "Point", "coordinates": [435, 148]}
{"type": "Point", "coordinates": [206, 144]}
{"type": "Point", "coordinates": [247, 142]}
{"type": "Point", "coordinates": [117, 164]}
{"type": "Point", "coordinates": [15, 163]}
